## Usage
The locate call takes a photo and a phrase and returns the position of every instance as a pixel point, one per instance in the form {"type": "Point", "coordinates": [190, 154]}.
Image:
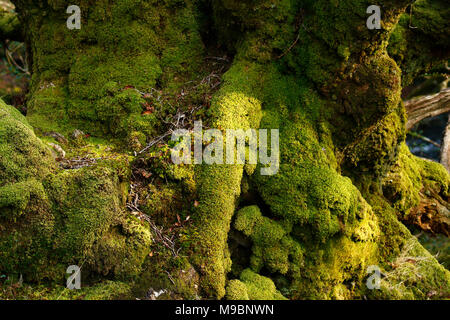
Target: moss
{"type": "Point", "coordinates": [52, 219]}
{"type": "Point", "coordinates": [418, 42]}
{"type": "Point", "coordinates": [410, 176]}
{"type": "Point", "coordinates": [9, 25]}
{"type": "Point", "coordinates": [247, 218]}
{"type": "Point", "coordinates": [413, 274]}
{"type": "Point", "coordinates": [14, 198]}
{"type": "Point", "coordinates": [259, 287]}
{"type": "Point", "coordinates": [22, 155]}
{"type": "Point", "coordinates": [378, 149]}
{"type": "Point", "coordinates": [308, 69]}
{"type": "Point", "coordinates": [235, 106]}
{"type": "Point", "coordinates": [107, 290]}
{"type": "Point", "coordinates": [236, 290]}
{"type": "Point", "coordinates": [92, 228]}
{"type": "Point", "coordinates": [81, 77]}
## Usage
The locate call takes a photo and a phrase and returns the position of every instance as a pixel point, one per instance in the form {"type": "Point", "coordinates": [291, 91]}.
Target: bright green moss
{"type": "Point", "coordinates": [235, 106]}
{"type": "Point", "coordinates": [247, 218]}
{"type": "Point", "coordinates": [271, 246]}
{"type": "Point", "coordinates": [259, 287]}
{"type": "Point", "coordinates": [313, 196]}
{"type": "Point", "coordinates": [236, 290]}
{"type": "Point", "coordinates": [413, 274]}
{"type": "Point", "coordinates": [22, 155]}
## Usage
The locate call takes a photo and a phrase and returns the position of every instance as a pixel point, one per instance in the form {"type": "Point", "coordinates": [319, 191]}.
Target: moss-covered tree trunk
{"type": "Point", "coordinates": [311, 69]}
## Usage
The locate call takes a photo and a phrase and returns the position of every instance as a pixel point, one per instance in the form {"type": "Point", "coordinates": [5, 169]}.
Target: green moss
{"type": "Point", "coordinates": [412, 175]}
{"type": "Point", "coordinates": [107, 290]}
{"type": "Point", "coordinates": [378, 149]}
{"type": "Point", "coordinates": [15, 198]}
{"type": "Point", "coordinates": [259, 287]}
{"type": "Point", "coordinates": [22, 155]}
{"type": "Point", "coordinates": [50, 219]}
{"type": "Point", "coordinates": [413, 274]}
{"type": "Point", "coordinates": [236, 290]}
{"type": "Point", "coordinates": [92, 228]}
{"type": "Point", "coordinates": [307, 69]}
{"type": "Point", "coordinates": [80, 76]}
{"type": "Point", "coordinates": [9, 25]}
{"type": "Point", "coordinates": [418, 37]}
{"type": "Point", "coordinates": [235, 106]}
{"type": "Point", "coordinates": [247, 218]}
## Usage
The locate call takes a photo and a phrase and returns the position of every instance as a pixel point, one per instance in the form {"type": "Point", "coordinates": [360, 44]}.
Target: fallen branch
{"type": "Point", "coordinates": [424, 107]}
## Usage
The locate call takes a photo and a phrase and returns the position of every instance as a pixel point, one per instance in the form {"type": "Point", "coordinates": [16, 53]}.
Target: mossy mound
{"type": "Point", "coordinates": [94, 79]}
{"type": "Point", "coordinates": [23, 155]}
{"type": "Point", "coordinates": [51, 218]}
{"type": "Point", "coordinates": [252, 286]}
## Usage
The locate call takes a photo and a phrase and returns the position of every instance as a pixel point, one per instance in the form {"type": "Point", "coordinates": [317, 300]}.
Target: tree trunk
{"type": "Point", "coordinates": [136, 71]}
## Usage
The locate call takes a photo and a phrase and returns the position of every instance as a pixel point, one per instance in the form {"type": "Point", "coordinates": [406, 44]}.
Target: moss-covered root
{"type": "Point", "coordinates": [419, 190]}
{"type": "Point", "coordinates": [235, 107]}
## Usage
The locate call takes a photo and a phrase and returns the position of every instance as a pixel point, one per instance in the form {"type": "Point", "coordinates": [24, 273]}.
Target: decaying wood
{"type": "Point", "coordinates": [445, 147]}
{"type": "Point", "coordinates": [420, 108]}
{"type": "Point", "coordinates": [431, 215]}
